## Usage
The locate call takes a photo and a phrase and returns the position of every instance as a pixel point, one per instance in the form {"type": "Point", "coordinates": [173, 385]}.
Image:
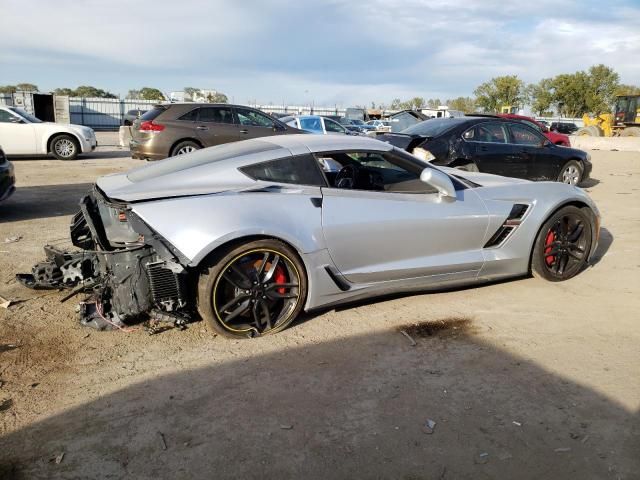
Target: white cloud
{"type": "Point", "coordinates": [340, 50]}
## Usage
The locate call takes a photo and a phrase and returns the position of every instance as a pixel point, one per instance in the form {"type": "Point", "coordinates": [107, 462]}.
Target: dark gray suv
{"type": "Point", "coordinates": [178, 128]}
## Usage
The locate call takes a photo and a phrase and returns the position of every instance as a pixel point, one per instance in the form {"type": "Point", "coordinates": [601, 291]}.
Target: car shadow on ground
{"type": "Point", "coordinates": [43, 201]}
{"type": "Point", "coordinates": [589, 182]}
{"type": "Point", "coordinates": [357, 407]}
{"type": "Point", "coordinates": [604, 244]}
{"type": "Point", "coordinates": [124, 153]}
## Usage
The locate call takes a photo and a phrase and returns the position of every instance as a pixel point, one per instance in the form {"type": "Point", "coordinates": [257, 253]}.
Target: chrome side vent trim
{"type": "Point", "coordinates": [518, 211]}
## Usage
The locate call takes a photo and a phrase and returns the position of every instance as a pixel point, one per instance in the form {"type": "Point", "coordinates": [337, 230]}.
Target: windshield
{"type": "Point", "coordinates": [357, 122]}
{"type": "Point", "coordinates": [431, 128]}
{"type": "Point", "coordinates": [27, 116]}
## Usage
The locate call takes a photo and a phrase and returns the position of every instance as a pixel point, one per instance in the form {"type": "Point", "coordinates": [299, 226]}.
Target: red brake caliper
{"type": "Point", "coordinates": [548, 247]}
{"type": "Point", "coordinates": [280, 277]}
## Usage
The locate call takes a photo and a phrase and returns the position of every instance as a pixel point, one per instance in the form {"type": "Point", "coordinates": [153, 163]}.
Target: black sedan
{"type": "Point", "coordinates": [7, 178]}
{"type": "Point", "coordinates": [492, 145]}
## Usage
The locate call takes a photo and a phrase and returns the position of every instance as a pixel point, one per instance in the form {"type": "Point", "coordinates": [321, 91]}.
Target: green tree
{"type": "Point", "coordinates": [148, 93]}
{"type": "Point", "coordinates": [541, 96]}
{"type": "Point", "coordinates": [569, 93]}
{"type": "Point", "coordinates": [133, 94]}
{"type": "Point", "coordinates": [89, 91]}
{"type": "Point", "coordinates": [624, 90]}
{"type": "Point", "coordinates": [509, 90]}
{"type": "Point", "coordinates": [217, 97]}
{"type": "Point", "coordinates": [433, 103]}
{"type": "Point", "coordinates": [414, 104]}
{"type": "Point", "coordinates": [603, 82]}
{"type": "Point", "coordinates": [27, 87]}
{"type": "Point", "coordinates": [8, 89]}
{"type": "Point", "coordinates": [64, 92]}
{"type": "Point", "coordinates": [395, 104]}
{"type": "Point", "coordinates": [464, 104]}
{"type": "Point", "coordinates": [192, 92]}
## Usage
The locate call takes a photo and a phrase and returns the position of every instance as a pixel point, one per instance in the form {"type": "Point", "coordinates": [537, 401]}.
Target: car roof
{"type": "Point", "coordinates": [323, 143]}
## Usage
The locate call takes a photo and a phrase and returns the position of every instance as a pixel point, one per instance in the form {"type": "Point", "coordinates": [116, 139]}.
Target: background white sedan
{"type": "Point", "coordinates": [24, 134]}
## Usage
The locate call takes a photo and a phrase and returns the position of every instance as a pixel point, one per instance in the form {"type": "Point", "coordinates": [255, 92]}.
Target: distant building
{"type": "Point", "coordinates": [201, 96]}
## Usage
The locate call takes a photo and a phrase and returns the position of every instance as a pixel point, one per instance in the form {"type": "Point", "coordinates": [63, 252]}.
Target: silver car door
{"type": "Point", "coordinates": [375, 236]}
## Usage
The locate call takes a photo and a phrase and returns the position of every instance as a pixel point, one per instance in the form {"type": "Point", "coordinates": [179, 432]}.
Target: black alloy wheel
{"type": "Point", "coordinates": [563, 245]}
{"type": "Point", "coordinates": [256, 289]}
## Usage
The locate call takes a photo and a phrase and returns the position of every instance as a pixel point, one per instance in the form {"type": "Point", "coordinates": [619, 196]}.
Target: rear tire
{"type": "Point", "coordinates": [563, 244]}
{"type": "Point", "coordinates": [185, 147]}
{"type": "Point", "coordinates": [65, 147]}
{"type": "Point", "coordinates": [571, 173]}
{"type": "Point", "coordinates": [252, 289]}
{"type": "Point", "coordinates": [630, 132]}
{"type": "Point", "coordinates": [584, 132]}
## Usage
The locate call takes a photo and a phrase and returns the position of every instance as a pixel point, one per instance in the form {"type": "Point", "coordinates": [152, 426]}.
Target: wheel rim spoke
{"type": "Point", "coordinates": [243, 307]}
{"type": "Point", "coordinates": [263, 265]}
{"type": "Point", "coordinates": [272, 269]}
{"type": "Point", "coordinates": [576, 233]}
{"type": "Point", "coordinates": [234, 301]}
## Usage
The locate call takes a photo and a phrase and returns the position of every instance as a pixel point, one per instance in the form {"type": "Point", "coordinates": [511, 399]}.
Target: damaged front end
{"type": "Point", "coordinates": [128, 270]}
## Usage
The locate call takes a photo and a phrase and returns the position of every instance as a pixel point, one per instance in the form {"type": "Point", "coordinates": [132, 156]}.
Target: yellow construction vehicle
{"type": "Point", "coordinates": [624, 122]}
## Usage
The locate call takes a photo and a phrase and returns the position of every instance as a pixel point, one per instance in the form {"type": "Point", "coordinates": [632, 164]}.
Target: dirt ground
{"type": "Point", "coordinates": [523, 379]}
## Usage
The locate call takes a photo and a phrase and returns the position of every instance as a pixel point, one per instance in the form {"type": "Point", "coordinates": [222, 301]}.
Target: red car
{"type": "Point", "coordinates": [554, 137]}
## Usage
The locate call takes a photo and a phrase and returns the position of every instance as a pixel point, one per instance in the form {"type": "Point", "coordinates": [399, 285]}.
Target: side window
{"type": "Point", "coordinates": [253, 118]}
{"type": "Point", "coordinates": [333, 127]}
{"type": "Point", "coordinates": [377, 171]}
{"type": "Point", "coordinates": [191, 116]}
{"type": "Point", "coordinates": [6, 117]}
{"type": "Point", "coordinates": [488, 133]}
{"type": "Point", "coordinates": [525, 136]}
{"type": "Point", "coordinates": [311, 124]}
{"type": "Point", "coordinates": [299, 170]}
{"type": "Point", "coordinates": [216, 115]}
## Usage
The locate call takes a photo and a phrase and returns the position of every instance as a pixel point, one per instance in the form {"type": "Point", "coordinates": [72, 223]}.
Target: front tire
{"type": "Point", "coordinates": [563, 244]}
{"type": "Point", "coordinates": [65, 147]}
{"type": "Point", "coordinates": [571, 173]}
{"type": "Point", "coordinates": [185, 147]}
{"type": "Point", "coordinates": [253, 289]}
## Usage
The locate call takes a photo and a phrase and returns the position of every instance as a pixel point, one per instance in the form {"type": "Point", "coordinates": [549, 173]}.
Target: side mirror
{"type": "Point", "coordinates": [440, 181]}
{"type": "Point", "coordinates": [15, 120]}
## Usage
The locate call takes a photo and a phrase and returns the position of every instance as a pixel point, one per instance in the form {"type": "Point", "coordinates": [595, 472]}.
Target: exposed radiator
{"type": "Point", "coordinates": [167, 287]}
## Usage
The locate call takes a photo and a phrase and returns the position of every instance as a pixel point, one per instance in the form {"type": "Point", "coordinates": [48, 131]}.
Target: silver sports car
{"type": "Point", "coordinates": [249, 234]}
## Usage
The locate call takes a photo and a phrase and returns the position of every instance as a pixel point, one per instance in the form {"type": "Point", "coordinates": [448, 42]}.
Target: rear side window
{"type": "Point", "coordinates": [487, 133]}
{"type": "Point", "coordinates": [216, 115]}
{"type": "Point", "coordinates": [299, 170]}
{"type": "Point", "coordinates": [311, 124]}
{"type": "Point", "coordinates": [153, 113]}
{"type": "Point", "coordinates": [191, 116]}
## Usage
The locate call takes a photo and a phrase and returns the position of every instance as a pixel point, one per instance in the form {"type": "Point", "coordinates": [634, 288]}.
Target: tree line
{"type": "Point", "coordinates": [570, 95]}
{"type": "Point", "coordinates": [88, 91]}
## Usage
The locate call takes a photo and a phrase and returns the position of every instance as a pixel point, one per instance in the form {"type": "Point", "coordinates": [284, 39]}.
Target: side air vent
{"type": "Point", "coordinates": [518, 211]}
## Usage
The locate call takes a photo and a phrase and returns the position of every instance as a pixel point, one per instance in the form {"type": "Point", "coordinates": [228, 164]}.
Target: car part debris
{"type": "Point", "coordinates": [5, 303]}
{"type": "Point", "coordinates": [124, 278]}
{"type": "Point", "coordinates": [13, 239]}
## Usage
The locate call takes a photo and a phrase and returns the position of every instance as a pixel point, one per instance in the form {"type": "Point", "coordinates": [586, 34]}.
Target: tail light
{"type": "Point", "coordinates": [149, 126]}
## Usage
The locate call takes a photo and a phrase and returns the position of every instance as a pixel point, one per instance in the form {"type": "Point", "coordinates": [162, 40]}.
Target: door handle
{"type": "Point", "coordinates": [244, 131]}
{"type": "Point", "coordinates": [202, 127]}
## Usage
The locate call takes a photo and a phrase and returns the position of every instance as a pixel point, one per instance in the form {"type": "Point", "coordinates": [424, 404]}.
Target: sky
{"type": "Point", "coordinates": [331, 52]}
